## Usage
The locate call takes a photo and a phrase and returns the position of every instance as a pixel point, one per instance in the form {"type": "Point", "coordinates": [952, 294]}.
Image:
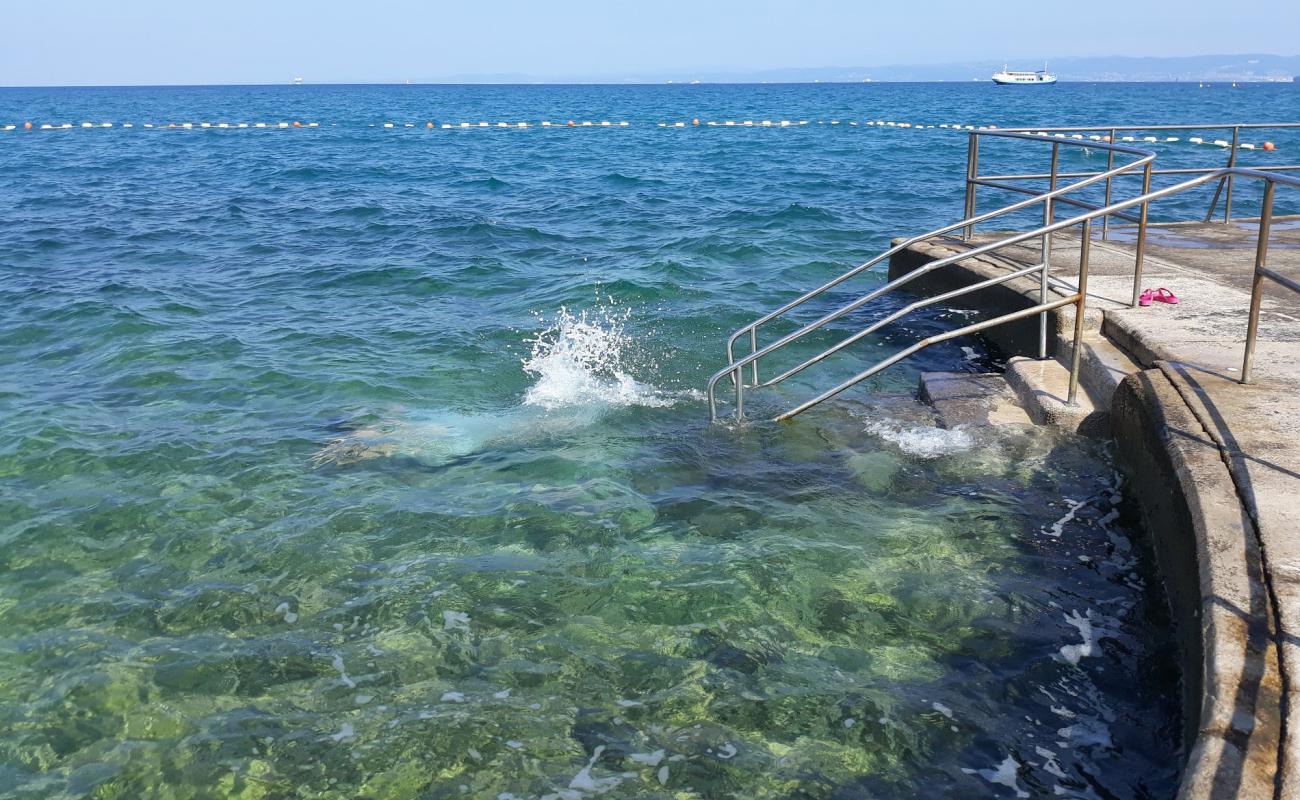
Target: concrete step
{"type": "Point", "coordinates": [966, 398]}
{"type": "Point", "coordinates": [1043, 386]}
{"type": "Point", "coordinates": [1102, 365]}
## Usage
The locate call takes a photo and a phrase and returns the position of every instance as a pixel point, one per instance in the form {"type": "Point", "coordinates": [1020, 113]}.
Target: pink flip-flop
{"type": "Point", "coordinates": [1162, 295]}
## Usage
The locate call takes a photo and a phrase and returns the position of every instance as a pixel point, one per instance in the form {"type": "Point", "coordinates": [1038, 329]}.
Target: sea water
{"type": "Point", "coordinates": [349, 461]}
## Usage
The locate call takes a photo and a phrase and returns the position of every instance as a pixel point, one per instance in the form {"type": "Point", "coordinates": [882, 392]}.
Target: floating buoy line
{"type": "Point", "coordinates": [693, 123]}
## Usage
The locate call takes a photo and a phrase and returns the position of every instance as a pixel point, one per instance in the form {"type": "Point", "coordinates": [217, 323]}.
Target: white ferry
{"type": "Point", "coordinates": [1039, 78]}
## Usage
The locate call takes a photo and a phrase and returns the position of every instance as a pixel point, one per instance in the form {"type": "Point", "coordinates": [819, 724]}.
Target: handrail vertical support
{"type": "Point", "coordinates": [739, 379]}
{"type": "Point", "coordinates": [753, 348]}
{"type": "Point", "coordinates": [972, 173]}
{"type": "Point", "coordinates": [1085, 254]}
{"type": "Point", "coordinates": [1049, 216]}
{"type": "Point", "coordinates": [1110, 164]}
{"type": "Point", "coordinates": [1257, 284]}
{"type": "Point", "coordinates": [1232, 162]}
{"type": "Point", "coordinates": [1141, 237]}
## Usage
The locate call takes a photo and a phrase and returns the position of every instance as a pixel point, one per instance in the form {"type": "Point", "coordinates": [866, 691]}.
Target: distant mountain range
{"type": "Point", "coordinates": [1249, 67]}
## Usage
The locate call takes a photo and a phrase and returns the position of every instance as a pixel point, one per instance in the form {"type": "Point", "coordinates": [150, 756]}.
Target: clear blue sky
{"type": "Point", "coordinates": [70, 42]}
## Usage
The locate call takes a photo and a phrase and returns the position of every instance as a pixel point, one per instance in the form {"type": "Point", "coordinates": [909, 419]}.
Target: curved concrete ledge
{"type": "Point", "coordinates": [1209, 554]}
{"type": "Point", "coordinates": [1214, 465]}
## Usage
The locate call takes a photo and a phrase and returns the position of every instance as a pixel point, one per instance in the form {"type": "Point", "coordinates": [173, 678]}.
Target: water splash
{"type": "Point", "coordinates": [586, 359]}
{"type": "Point", "coordinates": [922, 441]}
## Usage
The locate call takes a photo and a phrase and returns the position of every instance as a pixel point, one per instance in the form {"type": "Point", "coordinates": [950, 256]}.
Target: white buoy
{"type": "Point", "coordinates": [1171, 139]}
{"type": "Point", "coordinates": [1195, 139]}
{"type": "Point", "coordinates": [205, 124]}
{"type": "Point", "coordinates": [87, 125]}
{"type": "Point", "coordinates": [10, 127]}
{"type": "Point", "coordinates": [623, 124]}
{"type": "Point", "coordinates": [105, 124]}
{"type": "Point", "coordinates": [1127, 139]}
{"type": "Point", "coordinates": [446, 126]}
{"type": "Point", "coordinates": [785, 123]}
{"type": "Point", "coordinates": [187, 125]}
{"type": "Point", "coordinates": [313, 124]}
{"type": "Point", "coordinates": [243, 125]}
{"type": "Point", "coordinates": [521, 125]}
{"type": "Point", "coordinates": [604, 123]}
{"type": "Point", "coordinates": [1222, 143]}
{"type": "Point", "coordinates": [675, 124]}
{"type": "Point", "coordinates": [388, 124]}
{"type": "Point", "coordinates": [223, 124]}
{"type": "Point", "coordinates": [47, 127]}
{"type": "Point", "coordinates": [483, 125]}
{"type": "Point", "coordinates": [409, 125]}
{"type": "Point", "coordinates": [1077, 136]}
{"type": "Point", "coordinates": [464, 124]}
{"type": "Point", "coordinates": [835, 122]}
{"type": "Point", "coordinates": [263, 125]}
{"type": "Point", "coordinates": [546, 124]}
{"type": "Point", "coordinates": [729, 123]}
{"type": "Point", "coordinates": [854, 124]}
{"type": "Point", "coordinates": [1247, 147]}
{"type": "Point", "coordinates": [148, 124]}
{"type": "Point", "coordinates": [1150, 139]}
{"type": "Point", "coordinates": [586, 124]}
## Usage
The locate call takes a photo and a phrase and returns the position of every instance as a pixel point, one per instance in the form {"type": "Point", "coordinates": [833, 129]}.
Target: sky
{"type": "Point", "coordinates": [123, 42]}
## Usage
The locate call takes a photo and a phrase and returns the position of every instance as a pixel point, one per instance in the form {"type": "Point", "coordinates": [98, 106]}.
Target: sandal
{"type": "Point", "coordinates": [1163, 295]}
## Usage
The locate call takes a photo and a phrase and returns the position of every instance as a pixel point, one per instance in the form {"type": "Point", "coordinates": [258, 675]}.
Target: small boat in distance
{"type": "Point", "coordinates": [1008, 77]}
{"type": "Point", "coordinates": [297, 81]}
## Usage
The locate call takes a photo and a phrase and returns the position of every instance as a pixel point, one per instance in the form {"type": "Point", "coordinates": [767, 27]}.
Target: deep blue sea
{"type": "Point", "coordinates": [349, 461]}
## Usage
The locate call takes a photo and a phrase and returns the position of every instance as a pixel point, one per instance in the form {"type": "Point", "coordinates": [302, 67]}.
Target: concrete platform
{"type": "Point", "coordinates": [1215, 464]}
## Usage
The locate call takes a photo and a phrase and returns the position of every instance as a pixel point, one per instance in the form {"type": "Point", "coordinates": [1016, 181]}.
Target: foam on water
{"type": "Point", "coordinates": [922, 441]}
{"type": "Point", "coordinates": [585, 359]}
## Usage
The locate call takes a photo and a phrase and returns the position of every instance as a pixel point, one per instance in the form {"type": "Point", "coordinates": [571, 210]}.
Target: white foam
{"type": "Point", "coordinates": [583, 359]}
{"type": "Point", "coordinates": [1004, 775]}
{"type": "Point", "coordinates": [1088, 647]}
{"type": "Point", "coordinates": [923, 441]}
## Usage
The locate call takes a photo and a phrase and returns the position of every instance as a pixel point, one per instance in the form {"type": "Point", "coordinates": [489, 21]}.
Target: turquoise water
{"type": "Point", "coordinates": [361, 462]}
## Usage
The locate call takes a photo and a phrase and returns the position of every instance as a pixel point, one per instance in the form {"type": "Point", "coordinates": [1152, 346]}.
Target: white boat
{"type": "Point", "coordinates": [297, 81]}
{"type": "Point", "coordinates": [1008, 77]}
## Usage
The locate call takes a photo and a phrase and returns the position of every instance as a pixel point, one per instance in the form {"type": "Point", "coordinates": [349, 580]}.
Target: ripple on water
{"type": "Point", "coordinates": [323, 461]}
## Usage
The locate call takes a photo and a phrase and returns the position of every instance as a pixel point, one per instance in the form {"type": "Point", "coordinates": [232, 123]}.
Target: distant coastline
{"type": "Point", "coordinates": [1239, 68]}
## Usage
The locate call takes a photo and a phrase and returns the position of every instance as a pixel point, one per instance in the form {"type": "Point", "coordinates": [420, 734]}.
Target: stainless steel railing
{"type": "Point", "coordinates": [1142, 160]}
{"type": "Point", "coordinates": [1044, 233]}
{"type": "Point", "coordinates": [1233, 146]}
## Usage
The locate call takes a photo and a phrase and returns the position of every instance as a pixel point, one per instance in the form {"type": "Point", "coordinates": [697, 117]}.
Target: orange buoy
{"type": "Point", "coordinates": [695, 121]}
{"type": "Point", "coordinates": [1269, 146]}
{"type": "Point", "coordinates": [297, 124]}
{"type": "Point", "coordinates": [428, 124]}
{"type": "Point", "coordinates": [1105, 138]}
{"type": "Point", "coordinates": [570, 123]}
{"type": "Point", "coordinates": [171, 124]}
{"type": "Point", "coordinates": [27, 126]}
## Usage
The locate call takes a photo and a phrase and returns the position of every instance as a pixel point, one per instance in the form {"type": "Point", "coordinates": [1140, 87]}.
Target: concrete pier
{"type": "Point", "coordinates": [1214, 464]}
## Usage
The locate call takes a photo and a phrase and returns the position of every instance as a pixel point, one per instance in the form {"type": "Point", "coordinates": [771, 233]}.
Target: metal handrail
{"type": "Point", "coordinates": [1079, 298]}
{"type": "Point", "coordinates": [1233, 148]}
{"type": "Point", "coordinates": [1143, 161]}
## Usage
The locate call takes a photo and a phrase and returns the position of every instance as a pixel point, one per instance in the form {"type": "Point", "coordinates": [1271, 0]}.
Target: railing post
{"type": "Point", "coordinates": [972, 172]}
{"type": "Point", "coordinates": [1110, 164]}
{"type": "Point", "coordinates": [739, 380]}
{"type": "Point", "coordinates": [753, 348]}
{"type": "Point", "coordinates": [1257, 284]}
{"type": "Point", "coordinates": [1049, 216]}
{"type": "Point", "coordinates": [1232, 162]}
{"type": "Point", "coordinates": [1085, 252]}
{"type": "Point", "coordinates": [1142, 237]}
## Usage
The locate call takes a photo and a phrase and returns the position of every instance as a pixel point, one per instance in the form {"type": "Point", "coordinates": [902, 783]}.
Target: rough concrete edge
{"type": "Point", "coordinates": [1194, 397]}
{"type": "Point", "coordinates": [1209, 557]}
